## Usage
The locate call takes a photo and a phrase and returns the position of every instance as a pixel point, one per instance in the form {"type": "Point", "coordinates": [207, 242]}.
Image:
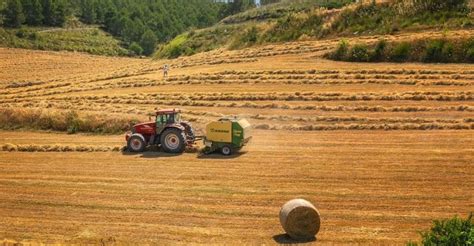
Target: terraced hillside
{"type": "Point", "coordinates": [381, 149]}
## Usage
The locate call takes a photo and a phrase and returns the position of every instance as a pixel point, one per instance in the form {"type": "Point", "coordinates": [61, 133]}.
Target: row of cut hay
{"type": "Point", "coordinates": [289, 96]}
{"type": "Point", "coordinates": [312, 81]}
{"type": "Point", "coordinates": [94, 103]}
{"type": "Point", "coordinates": [339, 108]}
{"type": "Point", "coordinates": [65, 121]}
{"type": "Point", "coordinates": [192, 63]}
{"type": "Point", "coordinates": [282, 96]}
{"type": "Point", "coordinates": [323, 76]}
{"type": "Point", "coordinates": [460, 108]}
{"type": "Point", "coordinates": [23, 84]}
{"type": "Point", "coordinates": [57, 148]}
{"type": "Point", "coordinates": [29, 95]}
{"type": "Point", "coordinates": [385, 127]}
{"type": "Point", "coordinates": [37, 88]}
{"type": "Point", "coordinates": [355, 71]}
{"type": "Point", "coordinates": [417, 96]}
{"type": "Point", "coordinates": [331, 119]}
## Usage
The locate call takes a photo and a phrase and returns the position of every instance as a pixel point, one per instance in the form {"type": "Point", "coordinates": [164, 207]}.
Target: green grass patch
{"type": "Point", "coordinates": [201, 41]}
{"type": "Point", "coordinates": [454, 231]}
{"type": "Point", "coordinates": [292, 27]}
{"type": "Point", "coordinates": [391, 17]}
{"type": "Point", "coordinates": [442, 50]}
{"type": "Point", "coordinates": [84, 39]}
{"type": "Point", "coordinates": [175, 48]}
{"type": "Point", "coordinates": [282, 9]}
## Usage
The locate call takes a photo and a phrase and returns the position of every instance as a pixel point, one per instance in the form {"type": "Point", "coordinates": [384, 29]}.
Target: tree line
{"type": "Point", "coordinates": [139, 24]}
{"type": "Point", "coordinates": [34, 12]}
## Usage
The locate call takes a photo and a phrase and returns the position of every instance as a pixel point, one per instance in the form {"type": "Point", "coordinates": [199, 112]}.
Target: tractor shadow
{"type": "Point", "coordinates": [158, 153]}
{"type": "Point", "coordinates": [285, 239]}
{"type": "Point", "coordinates": [150, 153]}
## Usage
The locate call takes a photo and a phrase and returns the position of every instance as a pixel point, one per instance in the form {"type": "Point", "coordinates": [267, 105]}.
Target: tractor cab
{"type": "Point", "coordinates": [167, 116]}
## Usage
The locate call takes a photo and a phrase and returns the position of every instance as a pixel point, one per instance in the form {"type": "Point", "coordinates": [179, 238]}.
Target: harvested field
{"type": "Point", "coordinates": [377, 187]}
{"type": "Point", "coordinates": [380, 149]}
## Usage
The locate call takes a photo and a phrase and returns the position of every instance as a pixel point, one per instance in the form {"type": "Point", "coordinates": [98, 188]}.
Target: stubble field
{"type": "Point", "coordinates": [380, 149]}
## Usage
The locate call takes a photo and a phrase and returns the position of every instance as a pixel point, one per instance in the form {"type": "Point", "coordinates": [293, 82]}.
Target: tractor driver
{"type": "Point", "coordinates": [165, 119]}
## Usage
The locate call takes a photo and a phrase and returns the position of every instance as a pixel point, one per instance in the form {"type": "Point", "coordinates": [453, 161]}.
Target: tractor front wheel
{"type": "Point", "coordinates": [136, 143]}
{"type": "Point", "coordinates": [173, 140]}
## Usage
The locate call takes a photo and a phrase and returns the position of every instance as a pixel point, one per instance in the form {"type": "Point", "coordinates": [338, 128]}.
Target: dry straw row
{"type": "Point", "coordinates": [120, 107]}
{"type": "Point", "coordinates": [57, 148]}
{"type": "Point", "coordinates": [80, 148]}
{"type": "Point", "coordinates": [385, 127]}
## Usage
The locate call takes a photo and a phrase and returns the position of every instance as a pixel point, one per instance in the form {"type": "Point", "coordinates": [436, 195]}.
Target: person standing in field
{"type": "Point", "coordinates": [165, 71]}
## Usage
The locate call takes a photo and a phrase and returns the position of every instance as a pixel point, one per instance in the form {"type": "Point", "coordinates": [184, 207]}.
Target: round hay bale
{"type": "Point", "coordinates": [300, 219]}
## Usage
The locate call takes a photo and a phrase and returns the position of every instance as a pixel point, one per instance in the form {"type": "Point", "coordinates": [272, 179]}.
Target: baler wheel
{"type": "Point", "coordinates": [226, 150]}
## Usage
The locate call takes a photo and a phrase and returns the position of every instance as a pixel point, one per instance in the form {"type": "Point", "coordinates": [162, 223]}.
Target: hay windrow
{"type": "Point", "coordinates": [63, 120]}
{"type": "Point", "coordinates": [57, 148]}
{"type": "Point", "coordinates": [379, 126]}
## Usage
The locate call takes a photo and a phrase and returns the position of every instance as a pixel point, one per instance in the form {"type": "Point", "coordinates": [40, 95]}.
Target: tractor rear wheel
{"type": "Point", "coordinates": [173, 140]}
{"type": "Point", "coordinates": [226, 150]}
{"type": "Point", "coordinates": [136, 143]}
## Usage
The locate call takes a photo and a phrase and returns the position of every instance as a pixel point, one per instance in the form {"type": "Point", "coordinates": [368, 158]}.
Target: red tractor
{"type": "Point", "coordinates": [167, 130]}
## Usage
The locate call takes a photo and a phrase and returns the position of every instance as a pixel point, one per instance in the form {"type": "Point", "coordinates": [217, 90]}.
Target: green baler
{"type": "Point", "coordinates": [227, 135]}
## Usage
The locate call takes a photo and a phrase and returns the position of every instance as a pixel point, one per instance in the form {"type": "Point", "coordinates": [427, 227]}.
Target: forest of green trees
{"type": "Point", "coordinates": [33, 12]}
{"type": "Point", "coordinates": [139, 24]}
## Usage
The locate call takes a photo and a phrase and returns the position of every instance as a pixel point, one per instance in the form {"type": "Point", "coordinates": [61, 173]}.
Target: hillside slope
{"type": "Point", "coordinates": [306, 20]}
{"type": "Point", "coordinates": [88, 39]}
{"type": "Point", "coordinates": [138, 24]}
